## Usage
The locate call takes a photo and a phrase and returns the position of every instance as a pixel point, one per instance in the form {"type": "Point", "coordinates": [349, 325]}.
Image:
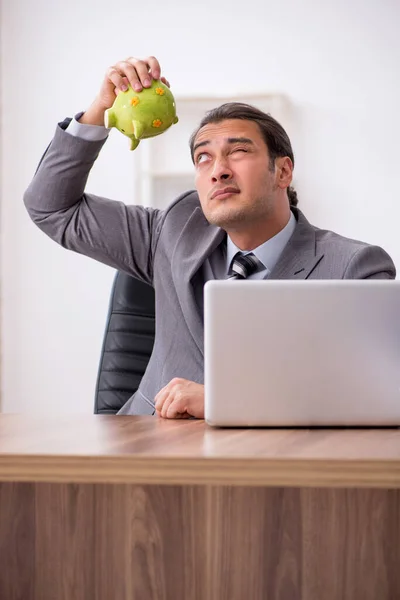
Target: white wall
{"type": "Point", "coordinates": [336, 61]}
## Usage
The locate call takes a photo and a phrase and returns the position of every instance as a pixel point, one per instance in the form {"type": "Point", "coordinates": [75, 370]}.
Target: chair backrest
{"type": "Point", "coordinates": [127, 344]}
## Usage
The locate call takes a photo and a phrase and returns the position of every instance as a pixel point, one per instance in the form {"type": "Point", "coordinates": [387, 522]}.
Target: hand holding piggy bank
{"type": "Point", "coordinates": [143, 114]}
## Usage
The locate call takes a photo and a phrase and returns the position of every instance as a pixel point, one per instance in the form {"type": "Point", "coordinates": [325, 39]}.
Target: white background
{"type": "Point", "coordinates": [337, 62]}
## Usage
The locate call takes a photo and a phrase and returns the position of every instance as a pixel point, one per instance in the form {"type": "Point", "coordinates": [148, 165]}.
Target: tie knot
{"type": "Point", "coordinates": [244, 265]}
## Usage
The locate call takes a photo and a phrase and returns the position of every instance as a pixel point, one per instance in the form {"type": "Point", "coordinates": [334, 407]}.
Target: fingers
{"type": "Point", "coordinates": [173, 414]}
{"type": "Point", "coordinates": [126, 69]}
{"type": "Point", "coordinates": [180, 399]}
{"type": "Point", "coordinates": [131, 71]}
{"type": "Point", "coordinates": [167, 401]}
{"type": "Point", "coordinates": [160, 400]}
{"type": "Point", "coordinates": [176, 410]}
{"type": "Point", "coordinates": [165, 411]}
{"type": "Point", "coordinates": [167, 83]}
{"type": "Point", "coordinates": [139, 73]}
{"type": "Point", "coordinates": [117, 78]}
{"type": "Point", "coordinates": [154, 67]}
{"type": "Point", "coordinates": [173, 407]}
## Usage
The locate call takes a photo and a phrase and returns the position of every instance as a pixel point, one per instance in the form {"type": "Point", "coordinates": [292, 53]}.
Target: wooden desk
{"type": "Point", "coordinates": [138, 508]}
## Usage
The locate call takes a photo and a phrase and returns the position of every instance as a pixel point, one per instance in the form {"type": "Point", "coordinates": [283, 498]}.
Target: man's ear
{"type": "Point", "coordinates": [283, 171]}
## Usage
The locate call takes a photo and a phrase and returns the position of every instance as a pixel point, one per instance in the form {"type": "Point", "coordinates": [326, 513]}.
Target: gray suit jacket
{"type": "Point", "coordinates": [167, 249]}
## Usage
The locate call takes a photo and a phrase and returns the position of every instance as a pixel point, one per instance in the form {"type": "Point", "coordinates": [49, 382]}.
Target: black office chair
{"type": "Point", "coordinates": [127, 345]}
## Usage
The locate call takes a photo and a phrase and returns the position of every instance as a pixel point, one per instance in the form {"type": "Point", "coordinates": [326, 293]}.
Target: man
{"type": "Point", "coordinates": [243, 163]}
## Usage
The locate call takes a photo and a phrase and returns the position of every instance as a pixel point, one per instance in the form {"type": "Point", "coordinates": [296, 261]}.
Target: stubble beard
{"type": "Point", "coordinates": [235, 218]}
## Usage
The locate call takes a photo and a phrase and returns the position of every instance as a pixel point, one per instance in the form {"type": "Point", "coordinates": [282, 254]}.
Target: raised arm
{"type": "Point", "coordinates": [121, 236]}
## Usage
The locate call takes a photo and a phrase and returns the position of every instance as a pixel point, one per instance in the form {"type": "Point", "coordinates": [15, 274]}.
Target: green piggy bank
{"type": "Point", "coordinates": [144, 114]}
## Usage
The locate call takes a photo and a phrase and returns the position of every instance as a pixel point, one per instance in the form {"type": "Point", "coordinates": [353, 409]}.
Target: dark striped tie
{"type": "Point", "coordinates": [244, 265]}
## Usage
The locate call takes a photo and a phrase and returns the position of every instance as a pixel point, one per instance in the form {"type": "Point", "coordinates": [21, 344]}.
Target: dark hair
{"type": "Point", "coordinates": [275, 137]}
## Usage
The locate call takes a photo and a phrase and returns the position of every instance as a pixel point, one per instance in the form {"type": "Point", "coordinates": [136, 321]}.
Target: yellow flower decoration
{"type": "Point", "coordinates": [160, 91]}
{"type": "Point", "coordinates": [157, 123]}
{"type": "Point", "coordinates": [135, 101]}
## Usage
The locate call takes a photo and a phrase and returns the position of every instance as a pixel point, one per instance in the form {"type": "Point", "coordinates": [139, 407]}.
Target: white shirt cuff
{"type": "Point", "coordinates": [90, 133]}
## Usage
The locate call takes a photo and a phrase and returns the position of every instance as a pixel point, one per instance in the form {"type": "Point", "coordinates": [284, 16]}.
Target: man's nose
{"type": "Point", "coordinates": [221, 171]}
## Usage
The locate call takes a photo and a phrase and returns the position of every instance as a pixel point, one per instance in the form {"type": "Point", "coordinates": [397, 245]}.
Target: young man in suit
{"type": "Point", "coordinates": [244, 204]}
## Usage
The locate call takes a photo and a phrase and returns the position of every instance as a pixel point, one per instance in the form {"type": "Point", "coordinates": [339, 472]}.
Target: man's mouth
{"type": "Point", "coordinates": [224, 192]}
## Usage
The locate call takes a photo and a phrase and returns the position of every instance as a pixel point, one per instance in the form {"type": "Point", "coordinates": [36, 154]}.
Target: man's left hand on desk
{"type": "Point", "coordinates": [180, 399]}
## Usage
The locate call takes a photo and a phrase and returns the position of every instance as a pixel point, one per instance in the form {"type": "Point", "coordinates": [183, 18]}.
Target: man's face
{"type": "Point", "coordinates": [233, 177]}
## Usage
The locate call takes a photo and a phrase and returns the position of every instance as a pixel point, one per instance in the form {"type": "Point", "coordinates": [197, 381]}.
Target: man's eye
{"type": "Point", "coordinates": [200, 158]}
{"type": "Point", "coordinates": [240, 150]}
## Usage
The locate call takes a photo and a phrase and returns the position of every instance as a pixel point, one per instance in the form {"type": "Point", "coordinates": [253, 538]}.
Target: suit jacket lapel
{"type": "Point", "coordinates": [198, 239]}
{"type": "Point", "coordinates": [300, 256]}
{"type": "Point", "coordinates": [297, 261]}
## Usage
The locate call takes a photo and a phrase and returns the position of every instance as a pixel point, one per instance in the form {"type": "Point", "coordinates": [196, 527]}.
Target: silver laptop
{"type": "Point", "coordinates": [302, 353]}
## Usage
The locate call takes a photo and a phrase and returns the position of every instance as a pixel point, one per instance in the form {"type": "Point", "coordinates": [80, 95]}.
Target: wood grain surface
{"type": "Point", "coordinates": [137, 508]}
{"type": "Point", "coordinates": [148, 450]}
{"type": "Point", "coordinates": [129, 542]}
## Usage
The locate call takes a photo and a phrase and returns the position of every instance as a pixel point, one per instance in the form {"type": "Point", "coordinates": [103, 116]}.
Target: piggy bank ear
{"type": "Point", "coordinates": [110, 119]}
{"type": "Point", "coordinates": [138, 129]}
{"type": "Point", "coordinates": [175, 120]}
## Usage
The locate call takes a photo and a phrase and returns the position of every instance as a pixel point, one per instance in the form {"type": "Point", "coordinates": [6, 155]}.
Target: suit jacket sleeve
{"type": "Point", "coordinates": [370, 262]}
{"type": "Point", "coordinates": [123, 237]}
